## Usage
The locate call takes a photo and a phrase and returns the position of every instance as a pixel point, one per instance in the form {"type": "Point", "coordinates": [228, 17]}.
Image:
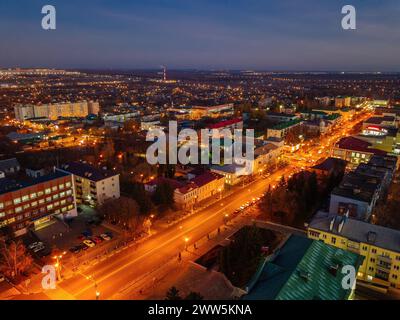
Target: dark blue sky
{"type": "Point", "coordinates": [204, 34]}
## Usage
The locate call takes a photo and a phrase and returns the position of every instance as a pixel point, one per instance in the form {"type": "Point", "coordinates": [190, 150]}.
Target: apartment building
{"type": "Point", "coordinates": [92, 186]}
{"type": "Point", "coordinates": [379, 245]}
{"type": "Point", "coordinates": [35, 203]}
{"type": "Point", "coordinates": [57, 110]}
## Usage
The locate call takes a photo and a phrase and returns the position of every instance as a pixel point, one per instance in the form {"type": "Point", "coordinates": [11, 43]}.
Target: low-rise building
{"type": "Point", "coordinates": [9, 166]}
{"type": "Point", "coordinates": [329, 166]}
{"type": "Point", "coordinates": [380, 122]}
{"type": "Point", "coordinates": [198, 189]}
{"type": "Point", "coordinates": [355, 150]}
{"type": "Point", "coordinates": [379, 245]}
{"type": "Point", "coordinates": [303, 269]}
{"type": "Point", "coordinates": [281, 130]}
{"type": "Point", "coordinates": [233, 173]}
{"type": "Point", "coordinates": [92, 185]}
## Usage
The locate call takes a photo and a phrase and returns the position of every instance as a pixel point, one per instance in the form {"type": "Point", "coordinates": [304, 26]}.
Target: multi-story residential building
{"type": "Point", "coordinates": [379, 245]}
{"type": "Point", "coordinates": [55, 111]}
{"type": "Point", "coordinates": [198, 189]}
{"type": "Point", "coordinates": [357, 195]}
{"type": "Point", "coordinates": [92, 185]}
{"type": "Point", "coordinates": [355, 150]}
{"type": "Point", "coordinates": [341, 102]}
{"type": "Point", "coordinates": [33, 204]}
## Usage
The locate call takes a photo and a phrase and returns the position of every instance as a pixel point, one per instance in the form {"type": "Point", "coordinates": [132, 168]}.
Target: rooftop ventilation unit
{"type": "Point", "coordinates": [306, 276]}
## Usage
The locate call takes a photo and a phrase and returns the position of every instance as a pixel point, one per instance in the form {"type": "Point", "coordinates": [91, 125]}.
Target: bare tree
{"type": "Point", "coordinates": [14, 258]}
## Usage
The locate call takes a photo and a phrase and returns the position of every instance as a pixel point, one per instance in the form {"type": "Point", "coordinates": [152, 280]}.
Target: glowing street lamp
{"type": "Point", "coordinates": [186, 243]}
{"type": "Point", "coordinates": [57, 265]}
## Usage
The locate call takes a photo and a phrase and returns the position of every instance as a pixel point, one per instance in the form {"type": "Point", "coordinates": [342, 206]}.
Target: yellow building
{"type": "Point", "coordinates": [379, 245]}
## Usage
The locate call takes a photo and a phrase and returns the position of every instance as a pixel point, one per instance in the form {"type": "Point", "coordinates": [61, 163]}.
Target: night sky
{"type": "Point", "coordinates": [202, 34]}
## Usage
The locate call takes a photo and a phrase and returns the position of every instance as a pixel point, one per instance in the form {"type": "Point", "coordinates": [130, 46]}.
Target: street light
{"type": "Point", "coordinates": [57, 265]}
{"type": "Point", "coordinates": [90, 278]}
{"type": "Point", "coordinates": [186, 243]}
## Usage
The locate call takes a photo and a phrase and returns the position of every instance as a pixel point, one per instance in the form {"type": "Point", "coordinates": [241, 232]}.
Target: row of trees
{"type": "Point", "coordinates": [240, 259]}
{"type": "Point", "coordinates": [294, 201]}
{"type": "Point", "coordinates": [386, 212]}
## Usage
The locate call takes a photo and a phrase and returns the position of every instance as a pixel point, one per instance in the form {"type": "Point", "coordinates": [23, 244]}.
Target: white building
{"type": "Point", "coordinates": [54, 111]}
{"type": "Point", "coordinates": [92, 185]}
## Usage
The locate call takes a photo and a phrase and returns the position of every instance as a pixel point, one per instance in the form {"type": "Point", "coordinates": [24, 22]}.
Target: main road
{"type": "Point", "coordinates": [111, 275]}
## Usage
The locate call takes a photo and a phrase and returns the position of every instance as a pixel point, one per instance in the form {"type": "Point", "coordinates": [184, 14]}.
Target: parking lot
{"type": "Point", "coordinates": [80, 234]}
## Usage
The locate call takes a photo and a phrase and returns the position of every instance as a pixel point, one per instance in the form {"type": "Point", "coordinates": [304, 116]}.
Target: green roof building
{"type": "Point", "coordinates": [303, 269]}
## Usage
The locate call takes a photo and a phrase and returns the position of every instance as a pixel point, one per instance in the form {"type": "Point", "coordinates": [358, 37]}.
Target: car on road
{"type": "Point", "coordinates": [105, 237]}
{"type": "Point", "coordinates": [89, 243]}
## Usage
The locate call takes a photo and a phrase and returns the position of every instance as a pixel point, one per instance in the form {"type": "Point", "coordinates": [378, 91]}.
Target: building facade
{"type": "Point", "coordinates": [93, 186]}
{"type": "Point", "coordinates": [379, 246]}
{"type": "Point", "coordinates": [35, 204]}
{"type": "Point", "coordinates": [55, 111]}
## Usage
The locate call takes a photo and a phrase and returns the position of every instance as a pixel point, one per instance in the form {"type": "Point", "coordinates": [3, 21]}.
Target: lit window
{"type": "Point", "coordinates": [17, 200]}
{"type": "Point", "coordinates": [25, 198]}
{"type": "Point", "coordinates": [47, 191]}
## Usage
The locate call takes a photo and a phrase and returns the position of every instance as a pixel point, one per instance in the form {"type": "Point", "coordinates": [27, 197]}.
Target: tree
{"type": "Point", "coordinates": [164, 195]}
{"type": "Point", "coordinates": [14, 259]}
{"type": "Point", "coordinates": [194, 296]}
{"type": "Point", "coordinates": [173, 294]}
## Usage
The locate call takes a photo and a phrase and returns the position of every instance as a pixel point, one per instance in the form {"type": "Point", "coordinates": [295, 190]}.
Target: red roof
{"type": "Point", "coordinates": [160, 180]}
{"type": "Point", "coordinates": [225, 123]}
{"type": "Point", "coordinates": [200, 181]}
{"type": "Point", "coordinates": [351, 143]}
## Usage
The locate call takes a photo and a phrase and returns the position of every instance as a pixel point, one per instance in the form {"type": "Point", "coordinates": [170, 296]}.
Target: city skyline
{"type": "Point", "coordinates": [186, 35]}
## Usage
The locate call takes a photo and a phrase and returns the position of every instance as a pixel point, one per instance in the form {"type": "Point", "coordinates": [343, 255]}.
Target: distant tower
{"type": "Point", "coordinates": [164, 73]}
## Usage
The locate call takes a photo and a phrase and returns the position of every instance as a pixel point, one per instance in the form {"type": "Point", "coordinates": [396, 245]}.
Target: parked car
{"type": "Point", "coordinates": [110, 234]}
{"type": "Point", "coordinates": [81, 237]}
{"type": "Point", "coordinates": [75, 249]}
{"type": "Point", "coordinates": [83, 247]}
{"type": "Point", "coordinates": [34, 245]}
{"type": "Point", "coordinates": [97, 239]}
{"type": "Point", "coordinates": [89, 243]}
{"type": "Point", "coordinates": [38, 248]}
{"type": "Point", "coordinates": [105, 237]}
{"type": "Point", "coordinates": [2, 278]}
